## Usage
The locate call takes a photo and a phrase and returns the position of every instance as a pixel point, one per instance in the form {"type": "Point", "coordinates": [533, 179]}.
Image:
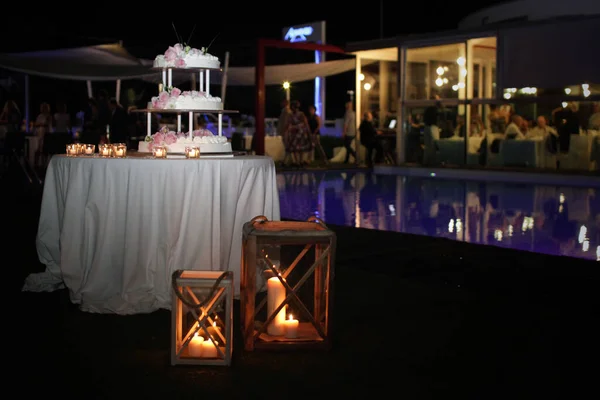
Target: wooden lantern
{"type": "Point", "coordinates": [287, 284]}
{"type": "Point", "coordinates": [202, 317]}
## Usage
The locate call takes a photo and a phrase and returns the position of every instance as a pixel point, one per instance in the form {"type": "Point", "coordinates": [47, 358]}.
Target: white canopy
{"type": "Point", "coordinates": [107, 62]}
{"type": "Point", "coordinates": [112, 62]}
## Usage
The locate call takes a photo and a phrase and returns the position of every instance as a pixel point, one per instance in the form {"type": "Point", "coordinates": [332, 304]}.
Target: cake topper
{"type": "Point", "coordinates": [176, 34]}
{"type": "Point", "coordinates": [186, 45]}
{"type": "Point", "coordinates": [205, 49]}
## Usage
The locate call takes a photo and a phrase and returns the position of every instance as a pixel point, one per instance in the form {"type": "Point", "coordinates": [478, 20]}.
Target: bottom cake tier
{"type": "Point", "coordinates": [225, 147]}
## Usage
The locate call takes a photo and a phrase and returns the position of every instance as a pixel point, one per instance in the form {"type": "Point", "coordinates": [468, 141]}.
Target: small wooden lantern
{"type": "Point", "coordinates": [287, 284]}
{"type": "Point", "coordinates": [202, 317]}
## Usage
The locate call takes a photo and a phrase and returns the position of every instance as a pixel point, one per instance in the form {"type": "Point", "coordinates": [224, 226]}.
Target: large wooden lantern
{"type": "Point", "coordinates": [287, 284]}
{"type": "Point", "coordinates": [202, 317]}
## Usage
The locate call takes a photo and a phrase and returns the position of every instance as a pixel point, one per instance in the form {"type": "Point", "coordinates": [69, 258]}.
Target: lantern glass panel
{"type": "Point", "coordinates": [202, 317]}
{"type": "Point", "coordinates": [287, 279]}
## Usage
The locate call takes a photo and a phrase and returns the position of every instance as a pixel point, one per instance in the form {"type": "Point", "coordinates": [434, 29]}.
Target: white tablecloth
{"type": "Point", "coordinates": [113, 230]}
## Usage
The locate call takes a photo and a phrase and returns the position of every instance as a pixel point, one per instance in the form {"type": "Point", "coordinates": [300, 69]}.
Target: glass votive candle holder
{"type": "Point", "coordinates": [192, 152]}
{"type": "Point", "coordinates": [159, 151]}
{"type": "Point", "coordinates": [72, 149]}
{"type": "Point", "coordinates": [88, 149]}
{"type": "Point", "coordinates": [105, 150]}
{"type": "Point", "coordinates": [119, 150]}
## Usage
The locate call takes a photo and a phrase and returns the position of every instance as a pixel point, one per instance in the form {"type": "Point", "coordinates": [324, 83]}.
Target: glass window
{"type": "Point", "coordinates": [481, 68]}
{"type": "Point", "coordinates": [436, 72]}
{"type": "Point", "coordinates": [379, 87]}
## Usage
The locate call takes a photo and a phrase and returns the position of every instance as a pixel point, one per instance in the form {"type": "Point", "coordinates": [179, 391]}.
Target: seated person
{"type": "Point", "coordinates": [541, 130]}
{"type": "Point", "coordinates": [460, 129]}
{"type": "Point", "coordinates": [368, 138]}
{"type": "Point", "coordinates": [513, 130]}
{"type": "Point", "coordinates": [477, 129]}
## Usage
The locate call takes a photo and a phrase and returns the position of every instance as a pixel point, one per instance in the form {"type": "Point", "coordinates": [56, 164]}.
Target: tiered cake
{"type": "Point", "coordinates": [173, 100]}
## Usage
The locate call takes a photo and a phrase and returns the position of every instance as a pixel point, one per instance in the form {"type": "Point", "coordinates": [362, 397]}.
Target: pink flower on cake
{"type": "Point", "coordinates": [171, 54]}
{"type": "Point", "coordinates": [180, 63]}
{"type": "Point", "coordinates": [158, 138]}
{"type": "Point", "coordinates": [179, 48]}
{"type": "Point", "coordinates": [175, 92]}
{"type": "Point", "coordinates": [163, 97]}
{"type": "Point", "coordinates": [170, 138]}
{"type": "Point", "coordinates": [202, 132]}
{"type": "Point", "coordinates": [157, 103]}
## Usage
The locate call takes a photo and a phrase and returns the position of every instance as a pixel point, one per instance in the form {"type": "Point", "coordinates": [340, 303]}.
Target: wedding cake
{"type": "Point", "coordinates": [175, 99]}
{"type": "Point", "coordinates": [176, 142]}
{"type": "Point", "coordinates": [183, 56]}
{"type": "Point", "coordinates": [171, 99]}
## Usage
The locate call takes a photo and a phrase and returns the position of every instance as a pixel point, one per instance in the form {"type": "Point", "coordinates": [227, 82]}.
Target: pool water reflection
{"type": "Point", "coordinates": [543, 219]}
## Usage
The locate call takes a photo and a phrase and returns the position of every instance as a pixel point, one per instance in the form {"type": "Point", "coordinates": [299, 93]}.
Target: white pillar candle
{"type": "Point", "coordinates": [291, 327]}
{"type": "Point", "coordinates": [164, 78]}
{"type": "Point", "coordinates": [275, 296]}
{"type": "Point", "coordinates": [148, 124]}
{"type": "Point", "coordinates": [208, 349]}
{"type": "Point", "coordinates": [213, 330]}
{"type": "Point", "coordinates": [208, 82]}
{"type": "Point", "coordinates": [220, 125]}
{"type": "Point", "coordinates": [195, 346]}
{"type": "Point", "coordinates": [201, 81]}
{"type": "Point", "coordinates": [178, 123]}
{"type": "Point", "coordinates": [170, 78]}
{"type": "Point", "coordinates": [190, 123]}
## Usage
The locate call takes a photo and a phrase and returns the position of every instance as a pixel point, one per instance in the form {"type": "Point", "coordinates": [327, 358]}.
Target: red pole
{"type": "Point", "coordinates": [259, 81]}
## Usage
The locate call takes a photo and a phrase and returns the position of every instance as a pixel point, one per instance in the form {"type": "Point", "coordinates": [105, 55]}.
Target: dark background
{"type": "Point", "coordinates": [146, 29]}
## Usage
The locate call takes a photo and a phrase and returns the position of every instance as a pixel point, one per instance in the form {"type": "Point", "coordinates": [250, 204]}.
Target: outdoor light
{"type": "Point", "coordinates": [367, 86]}
{"type": "Point", "coordinates": [361, 77]}
{"type": "Point", "coordinates": [286, 290]}
{"type": "Point", "coordinates": [440, 70]}
{"type": "Point", "coordinates": [286, 85]}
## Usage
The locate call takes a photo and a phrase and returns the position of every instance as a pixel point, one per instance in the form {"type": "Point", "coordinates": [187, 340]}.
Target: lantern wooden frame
{"type": "Point", "coordinates": [185, 302]}
{"type": "Point", "coordinates": [317, 238]}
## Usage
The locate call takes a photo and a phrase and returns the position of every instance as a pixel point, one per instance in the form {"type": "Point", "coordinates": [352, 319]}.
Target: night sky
{"type": "Point", "coordinates": [147, 31]}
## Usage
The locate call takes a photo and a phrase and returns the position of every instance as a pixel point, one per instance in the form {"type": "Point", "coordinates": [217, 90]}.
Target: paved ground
{"type": "Point", "coordinates": [417, 318]}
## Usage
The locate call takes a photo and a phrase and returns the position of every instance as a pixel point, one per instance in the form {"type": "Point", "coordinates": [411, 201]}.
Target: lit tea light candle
{"type": "Point", "coordinates": [104, 150]}
{"type": "Point", "coordinates": [209, 350]}
{"type": "Point", "coordinates": [275, 296]}
{"type": "Point", "coordinates": [119, 150]}
{"type": "Point", "coordinates": [291, 327]}
{"type": "Point", "coordinates": [195, 346]}
{"type": "Point", "coordinates": [89, 149]}
{"type": "Point", "coordinates": [159, 152]}
{"type": "Point", "coordinates": [192, 152]}
{"type": "Point", "coordinates": [72, 149]}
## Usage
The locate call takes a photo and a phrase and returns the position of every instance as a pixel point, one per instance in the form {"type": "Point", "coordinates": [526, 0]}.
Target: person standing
{"type": "Point", "coordinates": [299, 135]}
{"type": "Point", "coordinates": [368, 138]}
{"type": "Point", "coordinates": [431, 134]}
{"type": "Point", "coordinates": [315, 123]}
{"type": "Point", "coordinates": [349, 132]}
{"type": "Point", "coordinates": [282, 125]}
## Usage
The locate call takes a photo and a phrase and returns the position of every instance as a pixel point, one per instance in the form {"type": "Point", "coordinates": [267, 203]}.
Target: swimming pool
{"type": "Point", "coordinates": [556, 220]}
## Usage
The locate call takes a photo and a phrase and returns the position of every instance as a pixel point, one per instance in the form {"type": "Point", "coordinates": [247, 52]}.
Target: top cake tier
{"type": "Point", "coordinates": [180, 56]}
